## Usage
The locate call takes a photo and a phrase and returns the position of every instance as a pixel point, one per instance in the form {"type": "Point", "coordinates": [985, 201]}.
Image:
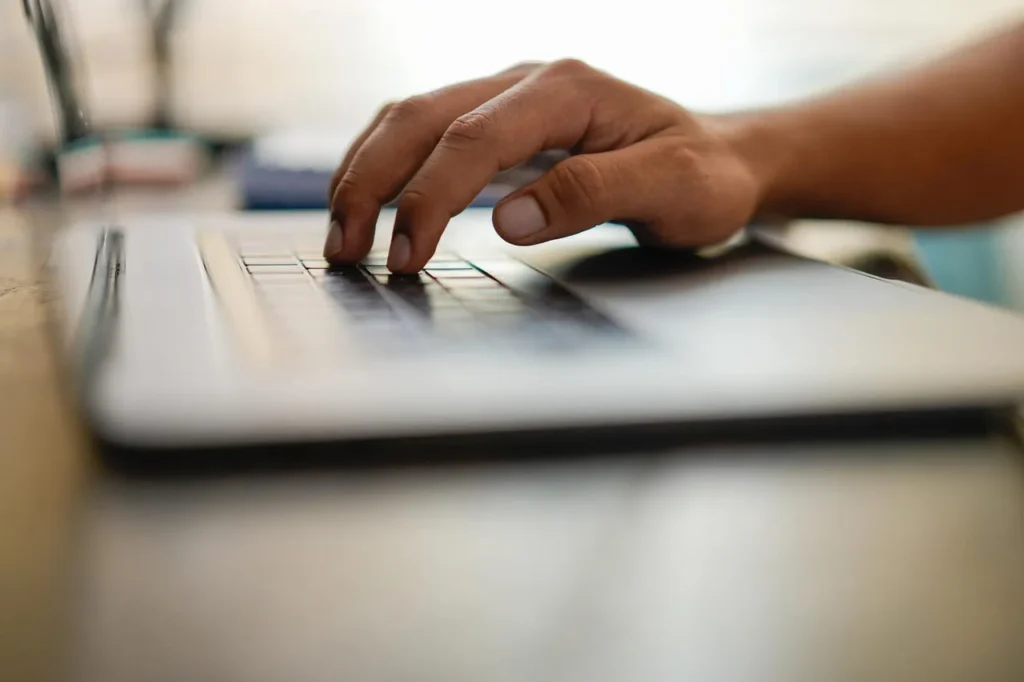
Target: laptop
{"type": "Point", "coordinates": [194, 333]}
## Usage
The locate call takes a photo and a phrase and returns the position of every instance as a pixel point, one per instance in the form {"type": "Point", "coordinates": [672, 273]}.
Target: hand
{"type": "Point", "coordinates": [673, 176]}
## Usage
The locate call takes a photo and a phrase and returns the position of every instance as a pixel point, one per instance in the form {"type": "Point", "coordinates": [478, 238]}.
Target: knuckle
{"type": "Point", "coordinates": [522, 67]}
{"type": "Point", "coordinates": [468, 130]}
{"type": "Point", "coordinates": [412, 201]}
{"type": "Point", "coordinates": [684, 158]}
{"type": "Point", "coordinates": [335, 182]}
{"type": "Point", "coordinates": [579, 183]}
{"type": "Point", "coordinates": [569, 67]}
{"type": "Point", "coordinates": [411, 109]}
{"type": "Point", "coordinates": [349, 186]}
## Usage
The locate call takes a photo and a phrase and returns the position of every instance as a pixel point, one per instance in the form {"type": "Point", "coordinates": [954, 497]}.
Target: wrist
{"type": "Point", "coordinates": [767, 145]}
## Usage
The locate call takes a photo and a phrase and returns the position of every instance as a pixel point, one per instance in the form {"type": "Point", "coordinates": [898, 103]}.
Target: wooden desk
{"type": "Point", "coordinates": [42, 467]}
{"type": "Point", "coordinates": [789, 562]}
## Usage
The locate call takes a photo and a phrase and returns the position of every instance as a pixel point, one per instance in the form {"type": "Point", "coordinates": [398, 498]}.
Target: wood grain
{"type": "Point", "coordinates": [41, 469]}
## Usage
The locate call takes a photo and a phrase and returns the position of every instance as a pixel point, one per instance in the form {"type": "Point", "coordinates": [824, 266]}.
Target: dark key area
{"type": "Point", "coordinates": [503, 303]}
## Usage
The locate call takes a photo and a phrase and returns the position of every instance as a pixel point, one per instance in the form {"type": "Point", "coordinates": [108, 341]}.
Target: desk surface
{"type": "Point", "coordinates": [790, 562]}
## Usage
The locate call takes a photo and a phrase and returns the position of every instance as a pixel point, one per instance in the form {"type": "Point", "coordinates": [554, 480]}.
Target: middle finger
{"type": "Point", "coordinates": [393, 152]}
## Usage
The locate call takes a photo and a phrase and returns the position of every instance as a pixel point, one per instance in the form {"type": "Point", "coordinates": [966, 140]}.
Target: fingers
{"type": "Point", "coordinates": [547, 110]}
{"type": "Point", "coordinates": [656, 183]}
{"type": "Point", "coordinates": [333, 245]}
{"type": "Point", "coordinates": [584, 191]}
{"type": "Point", "coordinates": [380, 164]}
{"type": "Point", "coordinates": [355, 147]}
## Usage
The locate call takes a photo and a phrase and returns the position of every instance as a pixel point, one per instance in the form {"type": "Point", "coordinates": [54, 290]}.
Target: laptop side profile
{"type": "Point", "coordinates": [206, 343]}
{"type": "Point", "coordinates": [196, 332]}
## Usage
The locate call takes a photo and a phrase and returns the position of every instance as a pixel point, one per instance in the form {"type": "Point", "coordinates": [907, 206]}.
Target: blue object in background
{"type": "Point", "coordinates": [967, 262]}
{"type": "Point", "coordinates": [267, 187]}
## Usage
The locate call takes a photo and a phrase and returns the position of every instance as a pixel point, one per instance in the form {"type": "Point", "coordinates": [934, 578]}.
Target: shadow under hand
{"type": "Point", "coordinates": [647, 263]}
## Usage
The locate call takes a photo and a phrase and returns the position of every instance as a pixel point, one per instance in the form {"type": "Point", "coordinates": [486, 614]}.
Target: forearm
{"type": "Point", "coordinates": [942, 144]}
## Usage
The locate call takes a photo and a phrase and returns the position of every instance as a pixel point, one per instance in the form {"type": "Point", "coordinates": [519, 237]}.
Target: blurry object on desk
{"type": "Point", "coordinates": [982, 262]}
{"type": "Point", "coordinates": [160, 154]}
{"type": "Point", "coordinates": [86, 159]}
{"type": "Point", "coordinates": [130, 157]}
{"type": "Point", "coordinates": [292, 170]}
{"type": "Point", "coordinates": [884, 251]}
{"type": "Point", "coordinates": [163, 154]}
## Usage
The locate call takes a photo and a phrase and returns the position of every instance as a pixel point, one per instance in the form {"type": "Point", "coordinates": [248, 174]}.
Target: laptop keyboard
{"type": "Point", "coordinates": [452, 303]}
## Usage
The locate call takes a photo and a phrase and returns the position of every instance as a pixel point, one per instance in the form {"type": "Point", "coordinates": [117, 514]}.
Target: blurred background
{"type": "Point", "coordinates": [242, 68]}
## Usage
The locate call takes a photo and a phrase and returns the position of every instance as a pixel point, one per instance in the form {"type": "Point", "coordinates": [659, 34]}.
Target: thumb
{"type": "Point", "coordinates": [579, 193]}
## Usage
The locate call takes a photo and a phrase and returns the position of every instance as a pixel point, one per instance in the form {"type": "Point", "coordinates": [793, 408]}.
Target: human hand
{"type": "Point", "coordinates": [674, 177]}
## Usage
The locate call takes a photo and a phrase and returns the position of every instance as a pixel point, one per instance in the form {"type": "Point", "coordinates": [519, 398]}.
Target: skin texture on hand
{"type": "Point", "coordinates": [635, 157]}
{"type": "Point", "coordinates": [941, 144]}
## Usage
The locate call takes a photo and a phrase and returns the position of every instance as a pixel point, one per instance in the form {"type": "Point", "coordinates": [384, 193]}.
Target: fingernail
{"type": "Point", "coordinates": [520, 217]}
{"type": "Point", "coordinates": [334, 241]}
{"type": "Point", "coordinates": [400, 251]}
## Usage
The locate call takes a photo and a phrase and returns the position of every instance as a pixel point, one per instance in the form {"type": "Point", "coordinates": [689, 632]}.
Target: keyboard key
{"type": "Point", "coordinates": [352, 293]}
{"type": "Point", "coordinates": [347, 272]}
{"type": "Point", "coordinates": [280, 280]}
{"type": "Point", "coordinates": [406, 282]}
{"type": "Point", "coordinates": [454, 274]}
{"type": "Point", "coordinates": [268, 260]}
{"type": "Point", "coordinates": [376, 258]}
{"type": "Point", "coordinates": [341, 279]}
{"type": "Point", "coordinates": [349, 299]}
{"type": "Point", "coordinates": [275, 269]}
{"type": "Point", "coordinates": [455, 301]}
{"type": "Point", "coordinates": [517, 276]}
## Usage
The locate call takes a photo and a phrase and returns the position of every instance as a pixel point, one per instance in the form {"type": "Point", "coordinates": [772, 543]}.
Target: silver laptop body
{"type": "Point", "coordinates": [229, 329]}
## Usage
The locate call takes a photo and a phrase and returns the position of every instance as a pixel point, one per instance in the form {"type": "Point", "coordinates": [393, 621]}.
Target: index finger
{"type": "Point", "coordinates": [378, 168]}
{"type": "Point", "coordinates": [350, 153]}
{"type": "Point", "coordinates": [544, 111]}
